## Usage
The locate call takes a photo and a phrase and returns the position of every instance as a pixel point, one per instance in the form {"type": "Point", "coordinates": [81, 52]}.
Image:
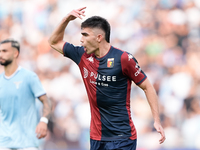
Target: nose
{"type": "Point", "coordinates": [81, 39]}
{"type": "Point", "coordinates": [1, 54]}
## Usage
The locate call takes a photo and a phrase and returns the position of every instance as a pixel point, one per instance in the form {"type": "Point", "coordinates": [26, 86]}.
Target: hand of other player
{"type": "Point", "coordinates": [160, 130]}
{"type": "Point", "coordinates": [76, 13]}
{"type": "Point", "coordinates": [41, 130]}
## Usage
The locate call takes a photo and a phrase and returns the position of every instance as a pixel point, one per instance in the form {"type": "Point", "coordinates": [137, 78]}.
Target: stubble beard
{"type": "Point", "coordinates": [6, 63]}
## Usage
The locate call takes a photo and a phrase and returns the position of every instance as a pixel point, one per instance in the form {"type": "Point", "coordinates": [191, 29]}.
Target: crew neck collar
{"type": "Point", "coordinates": [8, 77]}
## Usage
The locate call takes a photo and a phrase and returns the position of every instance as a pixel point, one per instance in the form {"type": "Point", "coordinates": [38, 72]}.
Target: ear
{"type": "Point", "coordinates": [99, 38]}
{"type": "Point", "coordinates": [16, 53]}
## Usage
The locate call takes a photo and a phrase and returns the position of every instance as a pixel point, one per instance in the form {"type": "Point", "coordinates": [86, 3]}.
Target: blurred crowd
{"type": "Point", "coordinates": [163, 35]}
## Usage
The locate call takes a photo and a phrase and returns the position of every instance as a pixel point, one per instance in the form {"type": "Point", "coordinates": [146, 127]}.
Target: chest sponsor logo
{"type": "Point", "coordinates": [98, 79]}
{"type": "Point", "coordinates": [102, 77]}
{"type": "Point", "coordinates": [17, 84]}
{"type": "Point", "coordinates": [110, 62]}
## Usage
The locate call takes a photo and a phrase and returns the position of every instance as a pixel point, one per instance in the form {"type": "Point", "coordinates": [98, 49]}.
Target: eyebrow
{"type": "Point", "coordinates": [84, 34]}
{"type": "Point", "coordinates": [3, 49]}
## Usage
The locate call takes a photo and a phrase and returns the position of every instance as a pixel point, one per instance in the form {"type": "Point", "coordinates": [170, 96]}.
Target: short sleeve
{"type": "Point", "coordinates": [131, 69]}
{"type": "Point", "coordinates": [73, 52]}
{"type": "Point", "coordinates": [36, 86]}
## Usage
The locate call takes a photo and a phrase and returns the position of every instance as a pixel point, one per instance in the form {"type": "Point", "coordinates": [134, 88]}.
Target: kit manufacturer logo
{"type": "Point", "coordinates": [90, 59]}
{"type": "Point", "coordinates": [130, 57]}
{"type": "Point", "coordinates": [85, 72]}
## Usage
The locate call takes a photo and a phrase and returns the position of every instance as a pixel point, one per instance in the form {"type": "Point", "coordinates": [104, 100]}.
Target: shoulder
{"type": "Point", "coordinates": [124, 54]}
{"type": "Point", "coordinates": [116, 51]}
{"type": "Point", "coordinates": [127, 57]}
{"type": "Point", "coordinates": [27, 72]}
{"type": "Point", "coordinates": [128, 60]}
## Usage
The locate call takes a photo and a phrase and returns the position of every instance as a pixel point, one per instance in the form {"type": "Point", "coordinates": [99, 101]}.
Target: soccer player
{"type": "Point", "coordinates": [107, 73]}
{"type": "Point", "coordinates": [19, 88]}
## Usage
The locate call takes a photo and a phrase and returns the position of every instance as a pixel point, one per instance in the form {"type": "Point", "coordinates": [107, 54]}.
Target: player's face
{"type": "Point", "coordinates": [89, 40]}
{"type": "Point", "coordinates": [6, 54]}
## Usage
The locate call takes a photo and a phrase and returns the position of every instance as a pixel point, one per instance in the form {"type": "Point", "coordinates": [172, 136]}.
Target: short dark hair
{"type": "Point", "coordinates": [98, 22]}
{"type": "Point", "coordinates": [13, 42]}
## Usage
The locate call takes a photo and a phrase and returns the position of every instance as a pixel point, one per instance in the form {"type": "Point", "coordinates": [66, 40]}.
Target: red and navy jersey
{"type": "Point", "coordinates": [108, 85]}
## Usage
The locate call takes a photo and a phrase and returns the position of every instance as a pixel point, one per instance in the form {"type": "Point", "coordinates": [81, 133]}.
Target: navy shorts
{"type": "Point", "coordinates": [125, 144]}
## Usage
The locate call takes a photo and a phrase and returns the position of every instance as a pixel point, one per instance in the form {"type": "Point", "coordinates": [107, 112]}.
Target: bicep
{"type": "Point", "coordinates": [58, 46]}
{"type": "Point", "coordinates": [146, 85]}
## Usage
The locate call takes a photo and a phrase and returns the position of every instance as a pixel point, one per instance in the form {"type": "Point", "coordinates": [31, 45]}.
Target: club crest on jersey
{"type": "Point", "coordinates": [17, 84]}
{"type": "Point", "coordinates": [110, 62]}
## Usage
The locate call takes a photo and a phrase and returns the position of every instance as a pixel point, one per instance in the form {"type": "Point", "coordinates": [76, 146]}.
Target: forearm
{"type": "Point", "coordinates": [152, 98]}
{"type": "Point", "coordinates": [58, 33]}
{"type": "Point", "coordinates": [56, 39]}
{"type": "Point", "coordinates": [153, 102]}
{"type": "Point", "coordinates": [46, 106]}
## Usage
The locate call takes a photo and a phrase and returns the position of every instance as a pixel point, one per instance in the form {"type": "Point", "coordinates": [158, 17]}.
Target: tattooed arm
{"type": "Point", "coordinates": [41, 129]}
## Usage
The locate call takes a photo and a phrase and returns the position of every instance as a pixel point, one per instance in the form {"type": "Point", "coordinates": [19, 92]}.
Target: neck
{"type": "Point", "coordinates": [103, 49]}
{"type": "Point", "coordinates": [11, 68]}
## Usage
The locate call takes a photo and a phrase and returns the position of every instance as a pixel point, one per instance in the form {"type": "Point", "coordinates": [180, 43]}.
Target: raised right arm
{"type": "Point", "coordinates": [56, 38]}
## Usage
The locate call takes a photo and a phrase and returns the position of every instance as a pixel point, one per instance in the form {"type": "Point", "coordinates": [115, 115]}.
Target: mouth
{"type": "Point", "coordinates": [2, 60]}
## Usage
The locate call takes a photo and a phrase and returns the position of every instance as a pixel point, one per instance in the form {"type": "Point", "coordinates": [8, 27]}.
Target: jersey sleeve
{"type": "Point", "coordinates": [73, 52]}
{"type": "Point", "coordinates": [131, 69]}
{"type": "Point", "coordinates": [36, 86]}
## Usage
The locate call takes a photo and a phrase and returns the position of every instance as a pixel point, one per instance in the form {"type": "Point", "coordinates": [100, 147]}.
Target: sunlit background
{"type": "Point", "coordinates": [163, 35]}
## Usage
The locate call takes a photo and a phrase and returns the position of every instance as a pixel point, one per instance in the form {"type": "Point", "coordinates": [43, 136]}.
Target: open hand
{"type": "Point", "coordinates": [160, 130]}
{"type": "Point", "coordinates": [76, 13]}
